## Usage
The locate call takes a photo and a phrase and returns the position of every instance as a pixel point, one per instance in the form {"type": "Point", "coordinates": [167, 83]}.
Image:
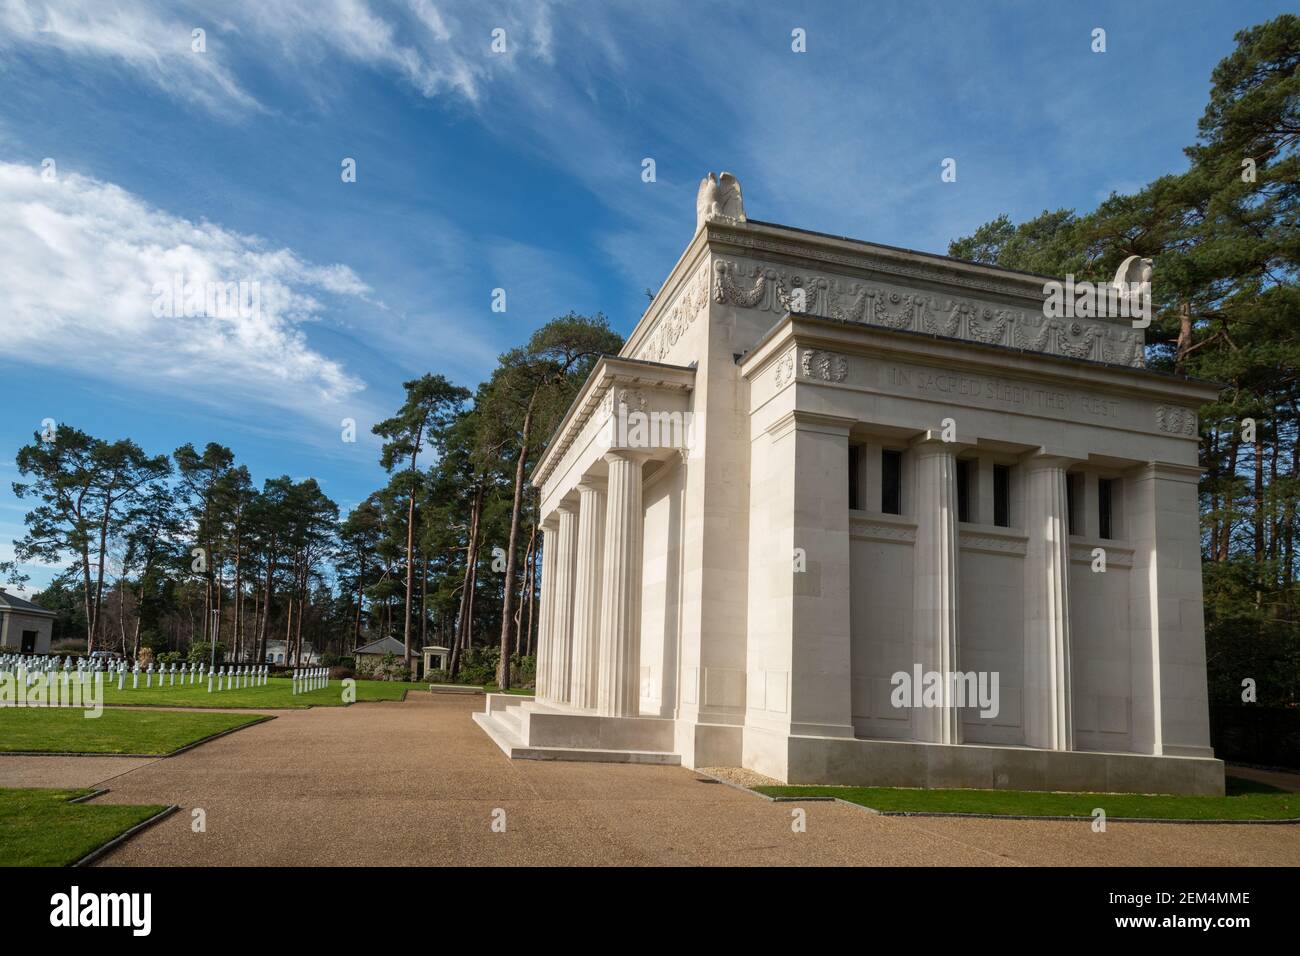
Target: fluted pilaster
{"type": "Point", "coordinates": [546, 607]}
{"type": "Point", "coordinates": [566, 553]}
{"type": "Point", "coordinates": [1047, 706]}
{"type": "Point", "coordinates": [934, 589]}
{"type": "Point", "coordinates": [585, 683]}
{"type": "Point", "coordinates": [619, 692]}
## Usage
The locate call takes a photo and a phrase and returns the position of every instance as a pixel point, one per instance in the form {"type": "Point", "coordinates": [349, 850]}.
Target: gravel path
{"type": "Point", "coordinates": [418, 783]}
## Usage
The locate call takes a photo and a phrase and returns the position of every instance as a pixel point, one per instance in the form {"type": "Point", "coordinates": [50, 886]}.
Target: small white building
{"type": "Point", "coordinates": [281, 652]}
{"type": "Point", "coordinates": [367, 656]}
{"type": "Point", "coordinates": [25, 628]}
{"type": "Point", "coordinates": [882, 468]}
{"type": "Point", "coordinates": [436, 657]}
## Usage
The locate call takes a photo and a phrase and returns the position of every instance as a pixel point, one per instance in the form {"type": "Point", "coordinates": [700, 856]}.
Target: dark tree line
{"type": "Point", "coordinates": [174, 552]}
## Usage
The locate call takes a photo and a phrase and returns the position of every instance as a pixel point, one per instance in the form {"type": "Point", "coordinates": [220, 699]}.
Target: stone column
{"type": "Point", "coordinates": [800, 605]}
{"type": "Point", "coordinates": [934, 586]}
{"type": "Point", "coordinates": [1167, 627]}
{"type": "Point", "coordinates": [585, 685]}
{"type": "Point", "coordinates": [1048, 715]}
{"type": "Point", "coordinates": [561, 635]}
{"type": "Point", "coordinates": [619, 693]}
{"type": "Point", "coordinates": [546, 608]}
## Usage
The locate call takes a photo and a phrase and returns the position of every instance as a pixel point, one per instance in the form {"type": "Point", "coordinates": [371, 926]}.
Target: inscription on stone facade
{"type": "Point", "coordinates": [955, 387]}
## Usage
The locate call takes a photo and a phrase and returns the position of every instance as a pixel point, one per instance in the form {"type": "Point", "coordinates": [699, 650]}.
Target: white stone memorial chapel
{"type": "Point", "coordinates": [850, 514]}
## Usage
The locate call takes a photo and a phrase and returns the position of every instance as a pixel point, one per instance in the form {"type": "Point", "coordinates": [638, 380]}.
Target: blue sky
{"type": "Point", "coordinates": [479, 170]}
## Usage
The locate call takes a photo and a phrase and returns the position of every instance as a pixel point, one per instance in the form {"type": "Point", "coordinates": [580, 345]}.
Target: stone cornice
{"type": "Point", "coordinates": [881, 527]}
{"type": "Point", "coordinates": [810, 421]}
{"type": "Point", "coordinates": [1159, 469]}
{"type": "Point", "coordinates": [990, 539]}
{"type": "Point", "coordinates": [1118, 553]}
{"type": "Point", "coordinates": [609, 373]}
{"type": "Point", "coordinates": [868, 257]}
{"type": "Point", "coordinates": [849, 338]}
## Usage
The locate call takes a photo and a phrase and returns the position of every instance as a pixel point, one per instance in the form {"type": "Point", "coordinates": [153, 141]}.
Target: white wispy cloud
{"type": "Point", "coordinates": [437, 48]}
{"type": "Point", "coordinates": [81, 280]}
{"type": "Point", "coordinates": [149, 39]}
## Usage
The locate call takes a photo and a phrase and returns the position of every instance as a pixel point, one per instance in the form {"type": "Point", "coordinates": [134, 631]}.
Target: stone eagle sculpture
{"type": "Point", "coordinates": [719, 198]}
{"type": "Point", "coordinates": [1132, 271]}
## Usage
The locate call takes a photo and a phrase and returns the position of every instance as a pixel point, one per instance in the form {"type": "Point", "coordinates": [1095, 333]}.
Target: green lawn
{"type": "Point", "coordinates": [1246, 800]}
{"type": "Point", "coordinates": [64, 730]}
{"type": "Point", "coordinates": [41, 828]}
{"type": "Point", "coordinates": [278, 693]}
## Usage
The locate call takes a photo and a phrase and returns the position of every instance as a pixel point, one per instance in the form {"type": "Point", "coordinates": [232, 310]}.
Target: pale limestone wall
{"type": "Point", "coordinates": [770, 599]}
{"type": "Point", "coordinates": [1171, 712]}
{"type": "Point", "coordinates": [992, 638]}
{"type": "Point", "coordinates": [661, 591]}
{"type": "Point", "coordinates": [716, 536]}
{"type": "Point", "coordinates": [1103, 673]}
{"type": "Point", "coordinates": [881, 616]}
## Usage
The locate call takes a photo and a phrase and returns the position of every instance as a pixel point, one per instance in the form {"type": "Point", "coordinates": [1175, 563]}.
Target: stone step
{"type": "Point", "coordinates": [510, 718]}
{"type": "Point", "coordinates": [516, 749]}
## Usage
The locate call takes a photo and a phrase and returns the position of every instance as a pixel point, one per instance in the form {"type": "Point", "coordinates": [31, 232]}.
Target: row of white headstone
{"type": "Point", "coordinates": [26, 669]}
{"type": "Point", "coordinates": [310, 678]}
{"type": "Point", "coordinates": [225, 677]}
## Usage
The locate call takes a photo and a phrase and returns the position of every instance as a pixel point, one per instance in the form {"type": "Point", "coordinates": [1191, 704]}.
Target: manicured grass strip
{"type": "Point", "coordinates": [1245, 801]}
{"type": "Point", "coordinates": [41, 828]}
{"type": "Point", "coordinates": [277, 694]}
{"type": "Point", "coordinates": [65, 730]}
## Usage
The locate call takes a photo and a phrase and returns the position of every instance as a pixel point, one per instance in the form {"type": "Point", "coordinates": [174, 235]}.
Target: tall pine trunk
{"type": "Point", "coordinates": [410, 550]}
{"type": "Point", "coordinates": [1184, 337]}
{"type": "Point", "coordinates": [99, 577]}
{"type": "Point", "coordinates": [516, 506]}
{"type": "Point", "coordinates": [467, 588]}
{"type": "Point", "coordinates": [1260, 552]}
{"type": "Point", "coordinates": [361, 576]}
{"type": "Point", "coordinates": [1225, 542]}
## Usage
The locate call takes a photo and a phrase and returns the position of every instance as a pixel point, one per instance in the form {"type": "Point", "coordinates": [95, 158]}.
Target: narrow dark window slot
{"type": "Point", "coordinates": [891, 482]}
{"type": "Point", "coordinates": [1002, 496]}
{"type": "Point", "coordinates": [1105, 501]}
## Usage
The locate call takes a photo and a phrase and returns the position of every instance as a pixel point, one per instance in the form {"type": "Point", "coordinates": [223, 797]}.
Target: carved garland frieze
{"type": "Point", "coordinates": [1075, 339]}
{"type": "Point", "coordinates": [895, 310]}
{"type": "Point", "coordinates": [677, 318]}
{"type": "Point", "coordinates": [632, 399]}
{"type": "Point", "coordinates": [865, 262]}
{"type": "Point", "coordinates": [784, 373]}
{"type": "Point", "coordinates": [827, 366]}
{"type": "Point", "coordinates": [1176, 420]}
{"type": "Point", "coordinates": [769, 289]}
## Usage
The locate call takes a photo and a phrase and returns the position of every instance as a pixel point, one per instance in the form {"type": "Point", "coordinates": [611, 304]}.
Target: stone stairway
{"type": "Point", "coordinates": [527, 730]}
